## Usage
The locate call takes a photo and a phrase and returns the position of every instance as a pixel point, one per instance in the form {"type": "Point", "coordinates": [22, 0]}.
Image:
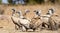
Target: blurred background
{"type": "Point", "coordinates": [32, 2]}
{"type": "Point", "coordinates": [44, 5]}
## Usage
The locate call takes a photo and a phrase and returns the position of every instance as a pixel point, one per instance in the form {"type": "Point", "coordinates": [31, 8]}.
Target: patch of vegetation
{"type": "Point", "coordinates": [36, 1]}
{"type": "Point", "coordinates": [0, 1]}
{"type": "Point", "coordinates": [31, 2]}
{"type": "Point", "coordinates": [10, 1]}
{"type": "Point", "coordinates": [39, 1]}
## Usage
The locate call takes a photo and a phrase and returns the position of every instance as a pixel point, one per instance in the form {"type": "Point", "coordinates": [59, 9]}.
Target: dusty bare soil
{"type": "Point", "coordinates": [7, 26]}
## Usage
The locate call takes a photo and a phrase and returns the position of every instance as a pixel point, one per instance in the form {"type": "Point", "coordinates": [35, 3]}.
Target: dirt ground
{"type": "Point", "coordinates": [7, 26]}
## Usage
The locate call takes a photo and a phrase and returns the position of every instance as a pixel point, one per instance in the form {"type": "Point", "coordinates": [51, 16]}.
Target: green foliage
{"type": "Point", "coordinates": [42, 1]}
{"type": "Point", "coordinates": [10, 1]}
{"type": "Point", "coordinates": [35, 1]}
{"type": "Point", "coordinates": [39, 1]}
{"type": "Point", "coordinates": [31, 2]}
{"type": "Point", "coordinates": [0, 1]}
